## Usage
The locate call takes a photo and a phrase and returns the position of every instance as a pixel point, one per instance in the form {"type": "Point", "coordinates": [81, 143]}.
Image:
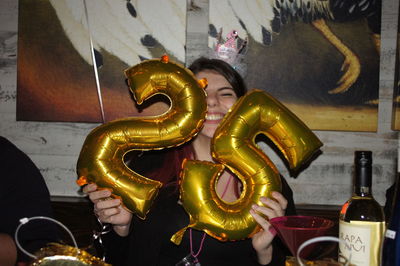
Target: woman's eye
{"type": "Point", "coordinates": [227, 93]}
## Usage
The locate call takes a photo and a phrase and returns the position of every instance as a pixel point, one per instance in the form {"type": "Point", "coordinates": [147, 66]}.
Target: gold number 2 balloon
{"type": "Point", "coordinates": [102, 156]}
{"type": "Point", "coordinates": [233, 146]}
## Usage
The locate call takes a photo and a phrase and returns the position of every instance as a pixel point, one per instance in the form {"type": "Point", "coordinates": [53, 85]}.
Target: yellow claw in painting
{"type": "Point", "coordinates": [102, 156]}
{"type": "Point", "coordinates": [233, 146]}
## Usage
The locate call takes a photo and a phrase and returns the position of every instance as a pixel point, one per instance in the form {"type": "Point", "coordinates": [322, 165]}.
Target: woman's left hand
{"type": "Point", "coordinates": [262, 240]}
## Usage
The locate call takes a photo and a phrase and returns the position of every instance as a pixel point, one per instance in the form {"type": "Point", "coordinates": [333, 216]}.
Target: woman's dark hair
{"type": "Point", "coordinates": [163, 165]}
{"type": "Point", "coordinates": [222, 68]}
{"type": "Point", "coordinates": [168, 172]}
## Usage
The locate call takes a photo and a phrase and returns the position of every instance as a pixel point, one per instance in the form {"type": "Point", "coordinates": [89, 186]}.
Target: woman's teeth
{"type": "Point", "coordinates": [214, 117]}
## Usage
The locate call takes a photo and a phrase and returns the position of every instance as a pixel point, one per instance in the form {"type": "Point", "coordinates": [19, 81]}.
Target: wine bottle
{"type": "Point", "coordinates": [391, 243]}
{"type": "Point", "coordinates": [361, 219]}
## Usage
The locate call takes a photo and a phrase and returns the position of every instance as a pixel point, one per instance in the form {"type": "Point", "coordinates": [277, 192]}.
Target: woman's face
{"type": "Point", "coordinates": [220, 98]}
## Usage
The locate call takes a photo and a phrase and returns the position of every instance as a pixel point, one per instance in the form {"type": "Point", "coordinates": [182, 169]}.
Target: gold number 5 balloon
{"type": "Point", "coordinates": [233, 147]}
{"type": "Point", "coordinates": [102, 156]}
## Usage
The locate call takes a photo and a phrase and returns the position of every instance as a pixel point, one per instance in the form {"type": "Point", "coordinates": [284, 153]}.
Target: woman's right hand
{"type": "Point", "coordinates": [109, 210]}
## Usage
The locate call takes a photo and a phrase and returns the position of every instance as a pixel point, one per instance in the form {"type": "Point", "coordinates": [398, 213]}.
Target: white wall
{"type": "Point", "coordinates": [54, 147]}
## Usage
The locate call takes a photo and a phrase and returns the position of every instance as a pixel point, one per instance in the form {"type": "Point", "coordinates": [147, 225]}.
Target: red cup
{"type": "Point", "coordinates": [294, 230]}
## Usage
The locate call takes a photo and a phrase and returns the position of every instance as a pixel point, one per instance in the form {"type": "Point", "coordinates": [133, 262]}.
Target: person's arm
{"type": "Point", "coordinates": [264, 257]}
{"type": "Point", "coordinates": [8, 250]}
{"type": "Point", "coordinates": [269, 249]}
{"type": "Point", "coordinates": [262, 241]}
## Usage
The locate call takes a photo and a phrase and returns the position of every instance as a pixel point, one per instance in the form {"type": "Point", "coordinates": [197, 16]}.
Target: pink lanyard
{"type": "Point", "coordinates": [201, 245]}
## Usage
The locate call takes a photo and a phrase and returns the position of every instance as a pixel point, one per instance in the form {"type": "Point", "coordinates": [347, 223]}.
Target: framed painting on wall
{"type": "Point", "coordinates": [321, 61]}
{"type": "Point", "coordinates": [56, 80]}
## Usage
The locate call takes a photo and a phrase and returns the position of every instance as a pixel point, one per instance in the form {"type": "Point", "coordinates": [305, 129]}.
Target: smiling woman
{"type": "Point", "coordinates": [220, 98]}
{"type": "Point", "coordinates": [129, 241]}
{"type": "Point", "coordinates": [221, 95]}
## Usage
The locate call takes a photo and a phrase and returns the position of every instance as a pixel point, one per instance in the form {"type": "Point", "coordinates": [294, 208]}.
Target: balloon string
{"type": "Point", "coordinates": [96, 74]}
{"type": "Point", "coordinates": [105, 228]}
{"type": "Point", "coordinates": [201, 244]}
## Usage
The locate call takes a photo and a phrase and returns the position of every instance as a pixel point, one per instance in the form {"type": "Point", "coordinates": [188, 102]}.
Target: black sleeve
{"type": "Point", "coordinates": [389, 202]}
{"type": "Point", "coordinates": [114, 248]}
{"type": "Point", "coordinates": [23, 193]}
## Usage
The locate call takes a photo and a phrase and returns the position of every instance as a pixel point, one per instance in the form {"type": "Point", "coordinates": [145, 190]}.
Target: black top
{"type": "Point", "coordinates": [149, 241]}
{"type": "Point", "coordinates": [389, 202]}
{"type": "Point", "coordinates": [23, 193]}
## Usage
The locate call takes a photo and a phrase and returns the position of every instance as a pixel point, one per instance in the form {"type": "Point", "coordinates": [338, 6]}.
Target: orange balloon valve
{"type": "Point", "coordinates": [202, 83]}
{"type": "Point", "coordinates": [82, 181]}
{"type": "Point", "coordinates": [165, 58]}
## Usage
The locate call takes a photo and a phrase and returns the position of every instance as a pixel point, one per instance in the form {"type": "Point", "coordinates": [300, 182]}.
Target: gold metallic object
{"type": "Point", "coordinates": [63, 255]}
{"type": "Point", "coordinates": [102, 156]}
{"type": "Point", "coordinates": [233, 146]}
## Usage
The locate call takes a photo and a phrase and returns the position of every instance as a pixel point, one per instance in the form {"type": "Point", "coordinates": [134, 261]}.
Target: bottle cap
{"type": "Point", "coordinates": [363, 168]}
{"type": "Point", "coordinates": [363, 156]}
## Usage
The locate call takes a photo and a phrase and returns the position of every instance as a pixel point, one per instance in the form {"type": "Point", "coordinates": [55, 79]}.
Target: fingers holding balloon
{"type": "Point", "coordinates": [280, 199]}
{"type": "Point", "coordinates": [263, 238]}
{"type": "Point", "coordinates": [274, 207]}
{"type": "Point", "coordinates": [270, 208]}
{"type": "Point", "coordinates": [89, 188]}
{"type": "Point", "coordinates": [259, 219]}
{"type": "Point", "coordinates": [111, 211]}
{"type": "Point", "coordinates": [99, 195]}
{"type": "Point", "coordinates": [106, 209]}
{"type": "Point", "coordinates": [102, 206]}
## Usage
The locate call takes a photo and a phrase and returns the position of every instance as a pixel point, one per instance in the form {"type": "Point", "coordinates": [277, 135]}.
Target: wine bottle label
{"type": "Point", "coordinates": [361, 242]}
{"type": "Point", "coordinates": [390, 234]}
